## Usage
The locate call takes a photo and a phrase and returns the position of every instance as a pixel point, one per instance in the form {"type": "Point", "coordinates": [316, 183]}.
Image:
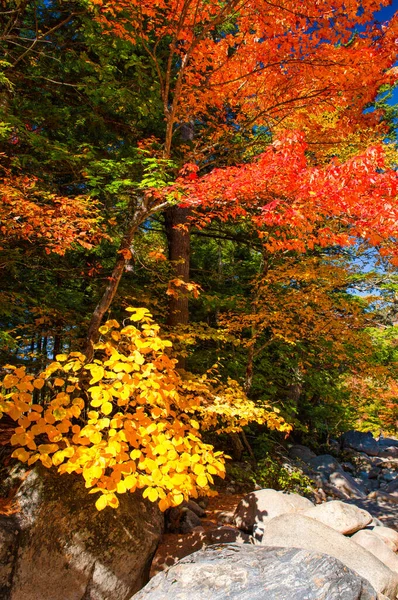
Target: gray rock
{"type": "Point", "coordinates": [225, 517]}
{"type": "Point", "coordinates": [299, 531]}
{"type": "Point", "coordinates": [347, 484]}
{"type": "Point", "coordinates": [181, 519]}
{"type": "Point", "coordinates": [388, 452]}
{"type": "Point", "coordinates": [388, 442]}
{"type": "Point", "coordinates": [362, 442]}
{"type": "Point", "coordinates": [65, 548]}
{"type": "Point", "coordinates": [388, 475]}
{"type": "Point", "coordinates": [257, 507]}
{"type": "Point", "coordinates": [348, 466]}
{"type": "Point", "coordinates": [372, 485]}
{"type": "Point", "coordinates": [372, 542]}
{"type": "Point", "coordinates": [301, 452]}
{"type": "Point", "coordinates": [326, 464]}
{"type": "Point", "coordinates": [254, 573]}
{"type": "Point", "coordinates": [227, 535]}
{"type": "Point", "coordinates": [391, 488]}
{"type": "Point", "coordinates": [344, 518]}
{"type": "Point", "coordinates": [374, 472]}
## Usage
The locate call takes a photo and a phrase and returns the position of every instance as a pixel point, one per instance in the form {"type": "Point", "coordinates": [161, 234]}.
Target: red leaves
{"type": "Point", "coordinates": [294, 205]}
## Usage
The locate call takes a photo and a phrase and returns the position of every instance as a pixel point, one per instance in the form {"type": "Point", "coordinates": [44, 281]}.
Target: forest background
{"type": "Point", "coordinates": [225, 172]}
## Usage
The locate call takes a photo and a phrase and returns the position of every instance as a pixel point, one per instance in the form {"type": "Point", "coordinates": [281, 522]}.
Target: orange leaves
{"type": "Point", "coordinates": [29, 212]}
{"type": "Point", "coordinates": [157, 255]}
{"type": "Point", "coordinates": [179, 287]}
{"type": "Point", "coordinates": [126, 253]}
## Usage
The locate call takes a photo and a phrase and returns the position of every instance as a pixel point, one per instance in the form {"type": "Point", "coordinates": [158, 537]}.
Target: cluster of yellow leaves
{"type": "Point", "coordinates": [126, 420]}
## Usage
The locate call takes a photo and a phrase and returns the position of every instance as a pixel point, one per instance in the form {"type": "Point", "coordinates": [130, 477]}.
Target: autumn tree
{"type": "Point", "coordinates": [227, 67]}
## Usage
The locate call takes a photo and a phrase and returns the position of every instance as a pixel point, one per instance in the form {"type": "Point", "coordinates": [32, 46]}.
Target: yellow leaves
{"type": "Point", "coordinates": [177, 499]}
{"type": "Point", "coordinates": [97, 373]}
{"type": "Point", "coordinates": [107, 499]}
{"type": "Point", "coordinates": [151, 494]}
{"type": "Point", "coordinates": [198, 469]}
{"type": "Point", "coordinates": [102, 502]}
{"type": "Point", "coordinates": [95, 437]}
{"type": "Point", "coordinates": [201, 480]}
{"type": "Point", "coordinates": [46, 461]}
{"type": "Point", "coordinates": [138, 314]}
{"type": "Point", "coordinates": [138, 358]}
{"type": "Point", "coordinates": [106, 408]}
{"type": "Point", "coordinates": [135, 423]}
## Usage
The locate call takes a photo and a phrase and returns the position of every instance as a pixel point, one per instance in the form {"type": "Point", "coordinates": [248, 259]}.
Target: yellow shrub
{"type": "Point", "coordinates": [128, 419]}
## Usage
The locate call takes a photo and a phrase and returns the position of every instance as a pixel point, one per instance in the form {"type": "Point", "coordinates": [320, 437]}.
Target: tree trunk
{"type": "Point", "coordinates": [178, 239]}
{"type": "Point", "coordinates": [114, 280]}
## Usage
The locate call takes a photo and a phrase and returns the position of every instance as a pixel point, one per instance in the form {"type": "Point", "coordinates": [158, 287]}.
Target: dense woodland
{"type": "Point", "coordinates": [199, 226]}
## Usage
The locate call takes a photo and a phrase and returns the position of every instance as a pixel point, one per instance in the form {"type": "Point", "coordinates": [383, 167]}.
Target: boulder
{"type": "Point", "coordinates": [253, 573]}
{"type": "Point", "coordinates": [388, 475]}
{"type": "Point", "coordinates": [372, 542]}
{"type": "Point", "coordinates": [9, 532]}
{"type": "Point", "coordinates": [348, 466]}
{"type": "Point", "coordinates": [388, 442]}
{"type": "Point", "coordinates": [380, 494]}
{"type": "Point", "coordinates": [388, 535]}
{"type": "Point", "coordinates": [347, 485]}
{"type": "Point", "coordinates": [374, 472]}
{"type": "Point", "coordinates": [391, 488]}
{"type": "Point", "coordinates": [196, 508]}
{"type": "Point", "coordinates": [361, 442]}
{"type": "Point", "coordinates": [301, 452]}
{"type": "Point", "coordinates": [344, 518]}
{"type": "Point", "coordinates": [299, 531]}
{"type": "Point", "coordinates": [172, 550]}
{"type": "Point", "coordinates": [257, 507]}
{"type": "Point", "coordinates": [326, 464]}
{"type": "Point", "coordinates": [64, 548]}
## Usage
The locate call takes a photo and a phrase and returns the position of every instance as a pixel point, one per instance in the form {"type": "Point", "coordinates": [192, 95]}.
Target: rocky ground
{"type": "Point", "coordinates": [352, 517]}
{"type": "Point", "coordinates": [339, 543]}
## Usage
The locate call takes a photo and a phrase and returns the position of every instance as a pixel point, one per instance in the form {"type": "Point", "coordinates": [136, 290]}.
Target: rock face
{"type": "Point", "coordinates": [60, 547]}
{"type": "Point", "coordinates": [344, 518]}
{"type": "Point", "coordinates": [241, 572]}
{"type": "Point", "coordinates": [257, 507]}
{"type": "Point", "coordinates": [299, 531]}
